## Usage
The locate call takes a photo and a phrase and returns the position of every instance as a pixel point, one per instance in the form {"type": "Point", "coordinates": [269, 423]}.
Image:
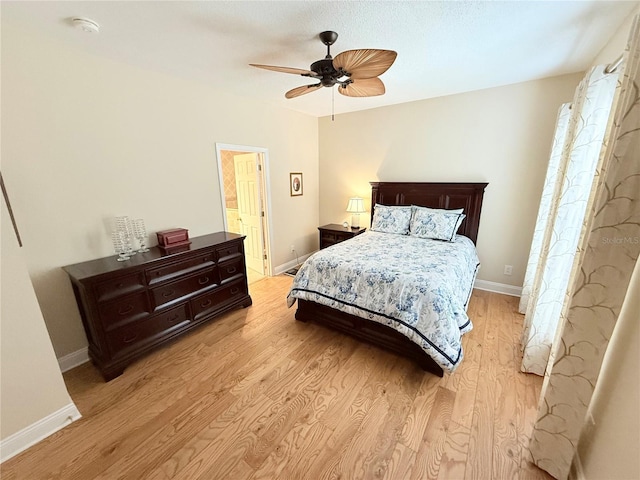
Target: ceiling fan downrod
{"type": "Point", "coordinates": [324, 68]}
{"type": "Point", "coordinates": [328, 38]}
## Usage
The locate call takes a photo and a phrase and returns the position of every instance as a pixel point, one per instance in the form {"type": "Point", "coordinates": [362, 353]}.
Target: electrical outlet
{"type": "Point", "coordinates": [508, 269]}
{"type": "Point", "coordinates": [292, 248]}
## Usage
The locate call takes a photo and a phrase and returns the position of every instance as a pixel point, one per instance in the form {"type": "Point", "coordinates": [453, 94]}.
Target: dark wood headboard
{"type": "Point", "coordinates": [434, 195]}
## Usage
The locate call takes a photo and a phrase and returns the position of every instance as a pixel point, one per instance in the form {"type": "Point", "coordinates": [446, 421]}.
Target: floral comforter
{"type": "Point", "coordinates": [419, 287]}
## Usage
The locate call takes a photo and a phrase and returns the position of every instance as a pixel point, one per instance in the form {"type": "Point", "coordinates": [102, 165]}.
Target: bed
{"type": "Point", "coordinates": [412, 298]}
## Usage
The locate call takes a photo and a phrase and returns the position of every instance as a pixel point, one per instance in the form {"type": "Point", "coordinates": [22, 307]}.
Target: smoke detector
{"type": "Point", "coordinates": [85, 24]}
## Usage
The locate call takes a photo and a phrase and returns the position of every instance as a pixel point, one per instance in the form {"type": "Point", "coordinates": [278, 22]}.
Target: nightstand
{"type": "Point", "coordinates": [334, 233]}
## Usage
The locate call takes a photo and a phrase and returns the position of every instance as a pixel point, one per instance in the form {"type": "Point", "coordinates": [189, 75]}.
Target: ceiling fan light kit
{"type": "Point", "coordinates": [354, 71]}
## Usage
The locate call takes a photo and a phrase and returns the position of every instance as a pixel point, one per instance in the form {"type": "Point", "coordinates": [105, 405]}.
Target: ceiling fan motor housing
{"type": "Point", "coordinates": [326, 69]}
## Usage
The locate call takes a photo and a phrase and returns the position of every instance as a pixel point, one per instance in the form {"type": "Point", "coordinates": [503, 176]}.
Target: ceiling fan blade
{"type": "Point", "coordinates": [296, 92]}
{"type": "Point", "coordinates": [364, 63]}
{"type": "Point", "coordinates": [365, 87]}
{"type": "Point", "coordinates": [295, 71]}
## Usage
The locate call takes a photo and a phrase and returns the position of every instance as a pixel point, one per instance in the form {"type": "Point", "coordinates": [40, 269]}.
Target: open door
{"type": "Point", "coordinates": [249, 209]}
{"type": "Point", "coordinates": [244, 189]}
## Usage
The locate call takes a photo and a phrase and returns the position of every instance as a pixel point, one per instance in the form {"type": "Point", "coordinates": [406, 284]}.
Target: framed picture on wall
{"type": "Point", "coordinates": [295, 184]}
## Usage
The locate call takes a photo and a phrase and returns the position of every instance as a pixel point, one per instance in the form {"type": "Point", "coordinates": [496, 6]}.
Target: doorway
{"type": "Point", "coordinates": [244, 188]}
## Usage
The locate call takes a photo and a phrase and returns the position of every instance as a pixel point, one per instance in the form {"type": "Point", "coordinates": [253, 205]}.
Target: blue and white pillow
{"type": "Point", "coordinates": [436, 224]}
{"type": "Point", "coordinates": [388, 219]}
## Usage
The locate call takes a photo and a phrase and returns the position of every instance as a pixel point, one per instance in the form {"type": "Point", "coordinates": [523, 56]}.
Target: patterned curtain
{"type": "Point", "coordinates": [586, 129]}
{"type": "Point", "coordinates": [544, 211]}
{"type": "Point", "coordinates": [604, 264]}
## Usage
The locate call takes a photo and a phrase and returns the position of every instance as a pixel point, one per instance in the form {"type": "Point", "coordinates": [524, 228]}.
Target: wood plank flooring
{"type": "Point", "coordinates": [257, 395]}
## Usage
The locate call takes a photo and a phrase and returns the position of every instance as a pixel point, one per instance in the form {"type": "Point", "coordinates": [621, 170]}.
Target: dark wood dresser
{"type": "Point", "coordinates": [334, 233]}
{"type": "Point", "coordinates": [131, 307]}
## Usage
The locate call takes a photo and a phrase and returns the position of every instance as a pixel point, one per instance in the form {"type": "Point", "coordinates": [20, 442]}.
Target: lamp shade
{"type": "Point", "coordinates": [356, 205]}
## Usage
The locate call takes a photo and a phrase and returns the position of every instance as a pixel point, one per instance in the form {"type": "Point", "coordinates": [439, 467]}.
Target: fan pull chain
{"type": "Point", "coordinates": [333, 97]}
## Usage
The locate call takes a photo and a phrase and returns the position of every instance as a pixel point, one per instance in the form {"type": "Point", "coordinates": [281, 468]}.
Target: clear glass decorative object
{"type": "Point", "coordinates": [119, 245]}
{"type": "Point", "coordinates": [140, 232]}
{"type": "Point", "coordinates": [123, 224]}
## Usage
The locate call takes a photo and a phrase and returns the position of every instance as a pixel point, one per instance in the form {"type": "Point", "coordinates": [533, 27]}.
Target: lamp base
{"type": "Point", "coordinates": [355, 220]}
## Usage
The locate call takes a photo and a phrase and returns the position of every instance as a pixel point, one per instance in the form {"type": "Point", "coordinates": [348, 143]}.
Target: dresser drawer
{"type": "Point", "coordinates": [174, 290]}
{"type": "Point", "coordinates": [212, 301]}
{"type": "Point", "coordinates": [333, 233]}
{"type": "Point", "coordinates": [123, 310]}
{"type": "Point", "coordinates": [117, 287]}
{"type": "Point", "coordinates": [151, 328]}
{"type": "Point", "coordinates": [228, 252]}
{"type": "Point", "coordinates": [329, 238]}
{"type": "Point", "coordinates": [231, 269]}
{"type": "Point", "coordinates": [167, 272]}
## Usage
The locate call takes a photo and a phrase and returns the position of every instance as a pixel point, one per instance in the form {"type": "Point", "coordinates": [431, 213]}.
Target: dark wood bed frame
{"type": "Point", "coordinates": [434, 195]}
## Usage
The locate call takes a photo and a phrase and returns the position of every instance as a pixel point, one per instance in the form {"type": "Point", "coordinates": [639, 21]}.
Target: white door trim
{"type": "Point", "coordinates": [265, 186]}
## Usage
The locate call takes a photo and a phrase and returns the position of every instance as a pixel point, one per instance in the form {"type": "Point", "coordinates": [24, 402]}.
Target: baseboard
{"type": "Point", "coordinates": [25, 438]}
{"type": "Point", "coordinates": [73, 359]}
{"type": "Point", "coordinates": [293, 263]}
{"type": "Point", "coordinates": [498, 288]}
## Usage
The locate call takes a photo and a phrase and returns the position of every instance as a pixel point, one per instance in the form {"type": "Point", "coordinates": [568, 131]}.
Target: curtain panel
{"type": "Point", "coordinates": [587, 124]}
{"type": "Point", "coordinates": [546, 202]}
{"type": "Point", "coordinates": [604, 265]}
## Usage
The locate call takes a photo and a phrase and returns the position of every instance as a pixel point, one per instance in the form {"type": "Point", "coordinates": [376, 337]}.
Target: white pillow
{"type": "Point", "coordinates": [455, 210]}
{"type": "Point", "coordinates": [439, 225]}
{"type": "Point", "coordinates": [391, 219]}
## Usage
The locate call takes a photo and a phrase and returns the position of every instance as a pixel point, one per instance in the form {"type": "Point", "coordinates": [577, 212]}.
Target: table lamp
{"type": "Point", "coordinates": [355, 207]}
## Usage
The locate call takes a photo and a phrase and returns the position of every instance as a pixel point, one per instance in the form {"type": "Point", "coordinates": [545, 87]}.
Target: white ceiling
{"type": "Point", "coordinates": [443, 47]}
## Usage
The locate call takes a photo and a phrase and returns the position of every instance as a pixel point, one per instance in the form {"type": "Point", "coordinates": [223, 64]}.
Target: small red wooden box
{"type": "Point", "coordinates": [173, 237]}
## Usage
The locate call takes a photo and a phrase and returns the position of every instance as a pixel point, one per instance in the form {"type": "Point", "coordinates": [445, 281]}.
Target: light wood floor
{"type": "Point", "coordinates": [258, 395]}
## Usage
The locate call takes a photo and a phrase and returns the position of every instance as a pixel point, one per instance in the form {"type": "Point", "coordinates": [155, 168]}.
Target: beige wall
{"type": "Point", "coordinates": [500, 135]}
{"type": "Point", "coordinates": [31, 385]}
{"type": "Point", "coordinates": [85, 138]}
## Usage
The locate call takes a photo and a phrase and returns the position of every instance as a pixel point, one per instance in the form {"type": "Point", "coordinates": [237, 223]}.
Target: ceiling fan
{"type": "Point", "coordinates": [354, 71]}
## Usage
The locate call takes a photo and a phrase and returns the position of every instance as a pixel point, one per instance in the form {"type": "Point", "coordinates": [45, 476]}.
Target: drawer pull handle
{"type": "Point", "coordinates": [174, 318]}
{"type": "Point", "coordinates": [234, 290]}
{"type": "Point", "coordinates": [130, 339]}
{"type": "Point", "coordinates": [168, 294]}
{"type": "Point", "coordinates": [204, 280]}
{"type": "Point", "coordinates": [120, 285]}
{"type": "Point", "coordinates": [231, 270]}
{"type": "Point", "coordinates": [124, 311]}
{"type": "Point", "coordinates": [206, 303]}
